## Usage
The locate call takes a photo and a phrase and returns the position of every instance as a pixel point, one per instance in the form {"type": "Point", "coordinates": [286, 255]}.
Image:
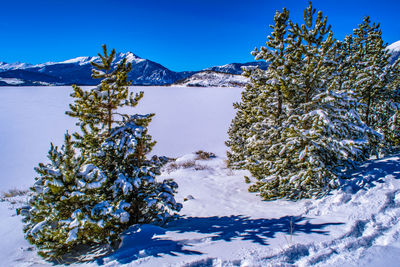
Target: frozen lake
{"type": "Point", "coordinates": [187, 119]}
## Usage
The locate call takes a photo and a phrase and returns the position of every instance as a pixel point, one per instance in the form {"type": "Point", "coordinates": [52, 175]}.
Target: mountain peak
{"type": "Point", "coordinates": [79, 60]}
{"type": "Point", "coordinates": [15, 65]}
{"type": "Point", "coordinates": [130, 57]}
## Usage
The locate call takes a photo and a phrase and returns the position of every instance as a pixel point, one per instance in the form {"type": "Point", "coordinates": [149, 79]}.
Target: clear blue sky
{"type": "Point", "coordinates": [179, 34]}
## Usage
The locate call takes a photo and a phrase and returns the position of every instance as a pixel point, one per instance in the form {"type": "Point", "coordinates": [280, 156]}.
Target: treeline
{"type": "Point", "coordinates": [322, 107]}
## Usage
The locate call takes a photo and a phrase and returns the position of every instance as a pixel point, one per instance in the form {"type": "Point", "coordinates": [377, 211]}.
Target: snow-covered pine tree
{"type": "Point", "coordinates": [259, 116]}
{"type": "Point", "coordinates": [318, 132]}
{"type": "Point", "coordinates": [390, 125]}
{"type": "Point", "coordinates": [93, 197]}
{"type": "Point", "coordinates": [97, 109]}
{"type": "Point", "coordinates": [343, 70]}
{"type": "Point", "coordinates": [374, 77]}
{"type": "Point", "coordinates": [64, 192]}
{"type": "Point", "coordinates": [247, 111]}
{"type": "Point", "coordinates": [131, 178]}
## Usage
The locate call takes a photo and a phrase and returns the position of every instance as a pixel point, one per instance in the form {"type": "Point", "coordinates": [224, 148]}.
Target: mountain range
{"type": "Point", "coordinates": [78, 71]}
{"type": "Point", "coordinates": [144, 72]}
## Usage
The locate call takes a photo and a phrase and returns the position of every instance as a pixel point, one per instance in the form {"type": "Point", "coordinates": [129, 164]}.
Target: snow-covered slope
{"type": "Point", "coordinates": [236, 68]}
{"type": "Point", "coordinates": [12, 66]}
{"type": "Point", "coordinates": [210, 78]}
{"type": "Point", "coordinates": [222, 224]}
{"type": "Point", "coordinates": [79, 60]}
{"type": "Point", "coordinates": [395, 47]}
{"type": "Point", "coordinates": [130, 58]}
{"type": "Point", "coordinates": [394, 50]}
{"type": "Point", "coordinates": [11, 81]}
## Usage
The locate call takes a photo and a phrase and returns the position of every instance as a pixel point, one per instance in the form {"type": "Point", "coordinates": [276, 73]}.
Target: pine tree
{"type": "Point", "coordinates": [260, 114]}
{"type": "Point", "coordinates": [390, 125]}
{"type": "Point", "coordinates": [373, 83]}
{"type": "Point", "coordinates": [97, 109]}
{"type": "Point", "coordinates": [247, 112]}
{"type": "Point", "coordinates": [65, 190]}
{"type": "Point", "coordinates": [101, 183]}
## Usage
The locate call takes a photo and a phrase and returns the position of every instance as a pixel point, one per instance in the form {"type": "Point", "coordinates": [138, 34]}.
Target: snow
{"type": "Point", "coordinates": [394, 47]}
{"type": "Point", "coordinates": [86, 60]}
{"type": "Point", "coordinates": [12, 66]}
{"type": "Point", "coordinates": [72, 235]}
{"type": "Point", "coordinates": [131, 58]}
{"type": "Point", "coordinates": [32, 117]}
{"type": "Point", "coordinates": [78, 60]}
{"type": "Point", "coordinates": [210, 78]}
{"type": "Point", "coordinates": [222, 224]}
{"type": "Point", "coordinates": [11, 81]}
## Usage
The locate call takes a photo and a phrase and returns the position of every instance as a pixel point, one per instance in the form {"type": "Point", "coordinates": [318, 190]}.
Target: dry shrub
{"type": "Point", "coordinates": [14, 193]}
{"type": "Point", "coordinates": [173, 166]}
{"type": "Point", "coordinates": [204, 155]}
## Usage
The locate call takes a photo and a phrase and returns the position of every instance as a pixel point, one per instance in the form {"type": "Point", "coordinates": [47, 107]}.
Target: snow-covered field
{"type": "Point", "coordinates": [222, 224]}
{"type": "Point", "coordinates": [187, 119]}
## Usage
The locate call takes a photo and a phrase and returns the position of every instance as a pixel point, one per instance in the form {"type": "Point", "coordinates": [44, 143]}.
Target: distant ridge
{"type": "Point", "coordinates": [78, 71]}
{"type": "Point", "coordinates": [144, 72]}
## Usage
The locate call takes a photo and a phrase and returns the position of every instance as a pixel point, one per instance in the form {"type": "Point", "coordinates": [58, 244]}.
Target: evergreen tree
{"type": "Point", "coordinates": [97, 109]}
{"type": "Point", "coordinates": [100, 183]}
{"type": "Point", "coordinates": [260, 114]}
{"type": "Point", "coordinates": [390, 125]}
{"type": "Point", "coordinates": [374, 83]}
{"type": "Point", "coordinates": [65, 190]}
{"type": "Point", "coordinates": [246, 115]}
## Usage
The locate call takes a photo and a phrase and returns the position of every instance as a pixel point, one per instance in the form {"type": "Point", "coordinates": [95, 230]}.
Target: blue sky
{"type": "Point", "coordinates": [179, 34]}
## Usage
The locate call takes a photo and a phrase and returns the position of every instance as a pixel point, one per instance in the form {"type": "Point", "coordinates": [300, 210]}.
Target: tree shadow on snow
{"type": "Point", "coordinates": [372, 172]}
{"type": "Point", "coordinates": [143, 241]}
{"type": "Point", "coordinates": [245, 228]}
{"type": "Point", "coordinates": [150, 242]}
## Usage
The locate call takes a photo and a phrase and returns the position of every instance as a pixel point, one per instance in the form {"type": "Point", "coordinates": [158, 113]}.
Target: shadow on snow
{"type": "Point", "coordinates": [148, 240]}
{"type": "Point", "coordinates": [372, 172]}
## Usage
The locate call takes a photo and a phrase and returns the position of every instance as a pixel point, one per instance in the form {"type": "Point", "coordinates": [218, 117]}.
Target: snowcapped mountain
{"type": "Point", "coordinates": [394, 50]}
{"type": "Point", "coordinates": [12, 66]}
{"type": "Point", "coordinates": [78, 71]}
{"type": "Point", "coordinates": [228, 75]}
{"type": "Point", "coordinates": [210, 78]}
{"type": "Point", "coordinates": [144, 72]}
{"type": "Point", "coordinates": [236, 68]}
